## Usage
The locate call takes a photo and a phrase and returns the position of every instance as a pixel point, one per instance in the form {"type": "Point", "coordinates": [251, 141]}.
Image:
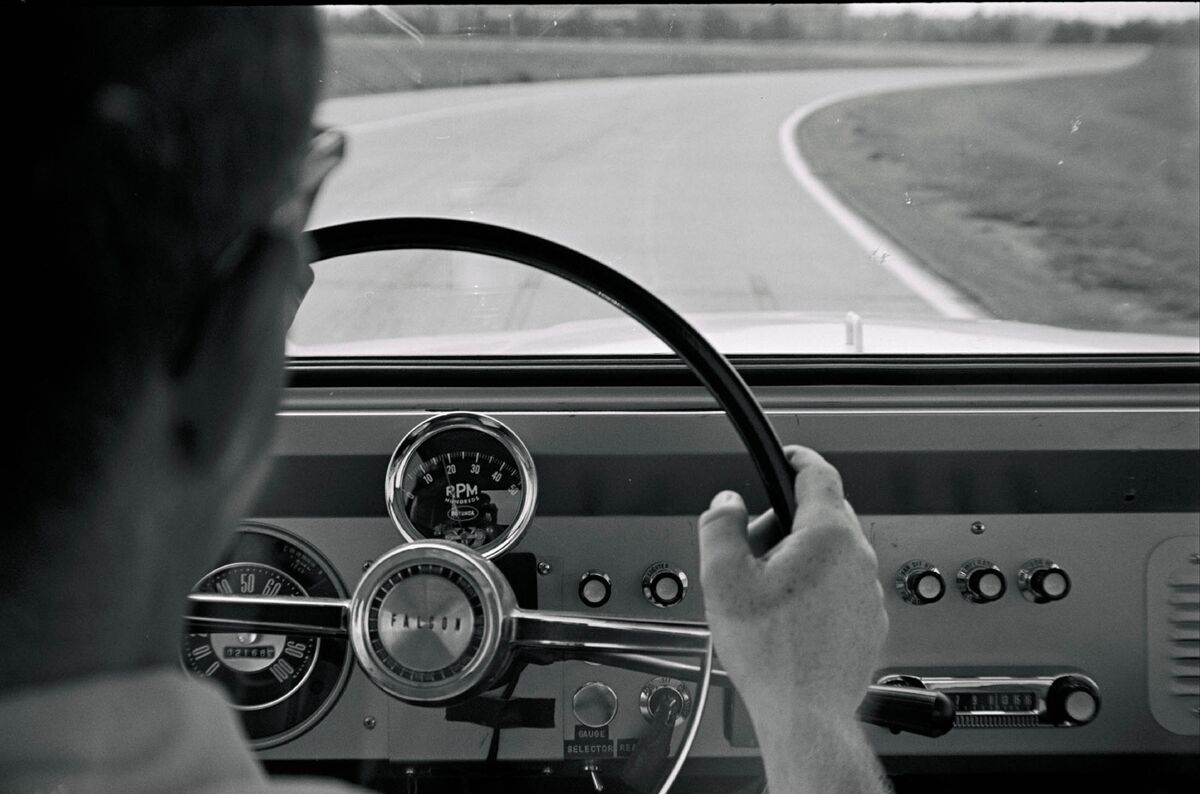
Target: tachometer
{"type": "Point", "coordinates": [281, 684]}
{"type": "Point", "coordinates": [462, 477]}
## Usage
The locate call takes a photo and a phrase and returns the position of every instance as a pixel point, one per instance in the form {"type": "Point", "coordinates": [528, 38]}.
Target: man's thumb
{"type": "Point", "coordinates": [724, 548]}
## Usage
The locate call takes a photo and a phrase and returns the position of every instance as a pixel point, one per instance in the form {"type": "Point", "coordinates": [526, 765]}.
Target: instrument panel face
{"type": "Point", "coordinates": [998, 488]}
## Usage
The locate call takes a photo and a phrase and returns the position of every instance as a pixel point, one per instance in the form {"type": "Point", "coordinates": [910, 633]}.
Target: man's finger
{"type": "Point", "coordinates": [817, 481]}
{"type": "Point", "coordinates": [724, 548]}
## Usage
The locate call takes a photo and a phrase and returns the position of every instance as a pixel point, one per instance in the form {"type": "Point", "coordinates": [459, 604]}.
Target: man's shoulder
{"type": "Point", "coordinates": [148, 730]}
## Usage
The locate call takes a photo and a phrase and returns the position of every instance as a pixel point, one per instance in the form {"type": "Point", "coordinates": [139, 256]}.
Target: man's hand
{"type": "Point", "coordinates": [799, 630]}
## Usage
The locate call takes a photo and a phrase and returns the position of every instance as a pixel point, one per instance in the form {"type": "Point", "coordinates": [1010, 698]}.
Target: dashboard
{"type": "Point", "coordinates": [1033, 527]}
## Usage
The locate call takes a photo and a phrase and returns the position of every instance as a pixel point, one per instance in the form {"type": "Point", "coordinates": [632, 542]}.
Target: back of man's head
{"type": "Point", "coordinates": [150, 139]}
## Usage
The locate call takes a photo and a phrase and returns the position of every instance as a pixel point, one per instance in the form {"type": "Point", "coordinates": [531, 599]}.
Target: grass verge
{"type": "Point", "coordinates": [1070, 201]}
{"type": "Point", "coordinates": [374, 64]}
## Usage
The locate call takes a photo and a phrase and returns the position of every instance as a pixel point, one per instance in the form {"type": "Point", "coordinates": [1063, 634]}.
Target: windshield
{"type": "Point", "coordinates": [793, 179]}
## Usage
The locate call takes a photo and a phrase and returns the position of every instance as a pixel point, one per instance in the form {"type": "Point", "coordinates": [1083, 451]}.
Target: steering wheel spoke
{"type": "Point", "coordinates": [218, 612]}
{"type": "Point", "coordinates": [587, 637]}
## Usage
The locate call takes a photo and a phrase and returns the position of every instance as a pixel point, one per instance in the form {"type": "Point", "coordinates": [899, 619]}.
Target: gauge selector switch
{"type": "Point", "coordinates": [664, 585]}
{"type": "Point", "coordinates": [595, 588]}
{"type": "Point", "coordinates": [594, 704]}
{"type": "Point", "coordinates": [1043, 581]}
{"type": "Point", "coordinates": [980, 581]}
{"type": "Point", "coordinates": [919, 582]}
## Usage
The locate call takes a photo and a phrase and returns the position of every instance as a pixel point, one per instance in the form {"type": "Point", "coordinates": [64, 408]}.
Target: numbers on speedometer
{"type": "Point", "coordinates": [280, 684]}
{"type": "Point", "coordinates": [264, 668]}
{"type": "Point", "coordinates": [465, 478]}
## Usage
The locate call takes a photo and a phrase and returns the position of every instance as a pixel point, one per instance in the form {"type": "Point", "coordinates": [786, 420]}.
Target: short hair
{"type": "Point", "coordinates": [150, 138]}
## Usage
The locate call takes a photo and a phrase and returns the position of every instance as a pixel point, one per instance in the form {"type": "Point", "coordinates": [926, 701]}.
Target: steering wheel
{"type": "Point", "coordinates": [458, 583]}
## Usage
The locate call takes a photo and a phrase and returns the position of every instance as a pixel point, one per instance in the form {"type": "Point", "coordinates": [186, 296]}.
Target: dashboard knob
{"type": "Point", "coordinates": [1073, 700]}
{"type": "Point", "coordinates": [980, 581]}
{"type": "Point", "coordinates": [1043, 581]}
{"type": "Point", "coordinates": [595, 588]}
{"type": "Point", "coordinates": [664, 585]}
{"type": "Point", "coordinates": [665, 693]}
{"type": "Point", "coordinates": [594, 704]}
{"type": "Point", "coordinates": [919, 582]}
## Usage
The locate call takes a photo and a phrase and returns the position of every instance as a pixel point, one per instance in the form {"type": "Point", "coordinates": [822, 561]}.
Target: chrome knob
{"type": "Point", "coordinates": [980, 581]}
{"type": "Point", "coordinates": [919, 582]}
{"type": "Point", "coordinates": [594, 704]}
{"type": "Point", "coordinates": [1043, 581]}
{"type": "Point", "coordinates": [1073, 700]}
{"type": "Point", "coordinates": [664, 693]}
{"type": "Point", "coordinates": [664, 585]}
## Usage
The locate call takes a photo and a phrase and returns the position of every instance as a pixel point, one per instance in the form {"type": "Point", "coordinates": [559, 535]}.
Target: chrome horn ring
{"type": "Point", "coordinates": [427, 622]}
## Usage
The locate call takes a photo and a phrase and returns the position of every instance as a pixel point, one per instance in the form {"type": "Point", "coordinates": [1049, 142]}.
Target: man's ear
{"type": "Point", "coordinates": [228, 370]}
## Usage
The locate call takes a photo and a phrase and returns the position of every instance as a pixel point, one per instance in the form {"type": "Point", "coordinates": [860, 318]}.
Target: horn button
{"type": "Point", "coordinates": [426, 622]}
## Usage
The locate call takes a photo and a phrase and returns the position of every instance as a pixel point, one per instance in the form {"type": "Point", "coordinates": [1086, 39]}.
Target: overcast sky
{"type": "Point", "coordinates": [1096, 12]}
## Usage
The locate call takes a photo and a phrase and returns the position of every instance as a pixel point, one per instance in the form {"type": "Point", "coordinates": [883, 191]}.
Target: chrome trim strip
{"type": "Point", "coordinates": [772, 412]}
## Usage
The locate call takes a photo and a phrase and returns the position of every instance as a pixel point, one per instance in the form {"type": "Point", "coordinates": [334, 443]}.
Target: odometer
{"type": "Point", "coordinates": [465, 478]}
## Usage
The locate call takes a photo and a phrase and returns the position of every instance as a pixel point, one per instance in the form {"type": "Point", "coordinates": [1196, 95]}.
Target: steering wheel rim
{"type": "Point", "coordinates": [712, 368]}
{"type": "Point", "coordinates": [562, 635]}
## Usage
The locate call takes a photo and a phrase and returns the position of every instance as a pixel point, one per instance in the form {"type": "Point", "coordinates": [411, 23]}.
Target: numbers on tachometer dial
{"type": "Point", "coordinates": [467, 497]}
{"type": "Point", "coordinates": [462, 477]}
{"type": "Point", "coordinates": [266, 668]}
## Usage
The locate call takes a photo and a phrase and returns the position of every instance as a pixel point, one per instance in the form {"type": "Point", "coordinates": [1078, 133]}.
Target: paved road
{"type": "Point", "coordinates": [679, 182]}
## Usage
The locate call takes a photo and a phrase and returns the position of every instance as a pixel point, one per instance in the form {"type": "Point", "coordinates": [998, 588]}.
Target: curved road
{"type": "Point", "coordinates": [681, 182]}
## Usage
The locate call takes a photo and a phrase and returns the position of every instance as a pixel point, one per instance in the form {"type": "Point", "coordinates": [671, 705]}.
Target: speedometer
{"type": "Point", "coordinates": [265, 669]}
{"type": "Point", "coordinates": [462, 477]}
{"type": "Point", "coordinates": [280, 684]}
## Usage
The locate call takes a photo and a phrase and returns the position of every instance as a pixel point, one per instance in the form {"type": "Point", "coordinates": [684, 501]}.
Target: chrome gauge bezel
{"type": "Point", "coordinates": [325, 645]}
{"type": "Point", "coordinates": [408, 447]}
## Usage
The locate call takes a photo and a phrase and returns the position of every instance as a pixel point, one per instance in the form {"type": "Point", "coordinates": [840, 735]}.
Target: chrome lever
{"type": "Point", "coordinates": [217, 612]}
{"type": "Point", "coordinates": [593, 769]}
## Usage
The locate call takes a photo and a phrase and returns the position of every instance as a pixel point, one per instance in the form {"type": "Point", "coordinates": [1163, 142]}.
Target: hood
{"type": "Point", "coordinates": [772, 333]}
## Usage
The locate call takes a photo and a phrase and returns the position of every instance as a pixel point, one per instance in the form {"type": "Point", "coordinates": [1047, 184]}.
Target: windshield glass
{"type": "Point", "coordinates": [793, 179]}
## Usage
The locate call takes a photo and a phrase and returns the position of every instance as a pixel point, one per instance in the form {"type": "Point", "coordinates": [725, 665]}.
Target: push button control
{"type": "Point", "coordinates": [594, 704]}
{"type": "Point", "coordinates": [664, 585]}
{"type": "Point", "coordinates": [595, 588]}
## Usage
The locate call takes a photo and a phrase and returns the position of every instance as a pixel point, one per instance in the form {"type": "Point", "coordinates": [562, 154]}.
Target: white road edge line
{"type": "Point", "coordinates": [934, 290]}
{"type": "Point", "coordinates": [885, 251]}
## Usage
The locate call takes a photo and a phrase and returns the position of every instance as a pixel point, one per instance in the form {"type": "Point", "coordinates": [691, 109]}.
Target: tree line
{"type": "Point", "coordinates": [777, 23]}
